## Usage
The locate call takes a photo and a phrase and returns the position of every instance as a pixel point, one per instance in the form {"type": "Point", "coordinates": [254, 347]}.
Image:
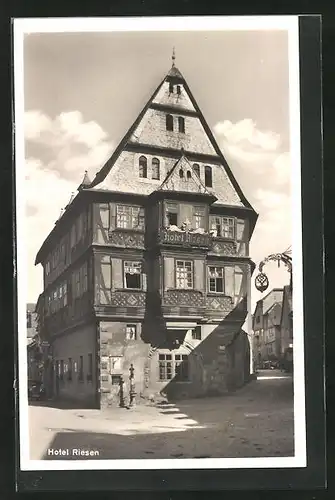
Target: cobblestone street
{"type": "Point", "coordinates": [256, 421]}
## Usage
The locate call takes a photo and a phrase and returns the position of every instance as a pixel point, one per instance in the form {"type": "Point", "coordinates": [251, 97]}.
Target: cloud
{"type": "Point", "coordinates": [58, 151]}
{"type": "Point", "coordinates": [263, 171]}
{"type": "Point", "coordinates": [246, 134]}
{"type": "Point", "coordinates": [258, 152]}
{"type": "Point", "coordinates": [67, 144]}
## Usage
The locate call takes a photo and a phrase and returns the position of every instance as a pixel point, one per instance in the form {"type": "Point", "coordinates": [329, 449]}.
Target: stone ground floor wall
{"type": "Point", "coordinates": [216, 362]}
{"type": "Point", "coordinates": [76, 355]}
{"type": "Point", "coordinates": [212, 360]}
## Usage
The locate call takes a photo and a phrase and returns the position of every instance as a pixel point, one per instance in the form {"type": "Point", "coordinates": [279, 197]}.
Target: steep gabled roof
{"type": "Point", "coordinates": [173, 74]}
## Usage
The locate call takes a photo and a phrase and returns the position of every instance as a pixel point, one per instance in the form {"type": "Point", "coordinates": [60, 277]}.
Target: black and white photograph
{"type": "Point", "coordinates": [159, 243]}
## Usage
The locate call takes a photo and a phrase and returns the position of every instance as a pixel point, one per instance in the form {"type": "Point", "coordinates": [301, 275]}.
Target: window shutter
{"type": "Point", "coordinates": [112, 216]}
{"type": "Point", "coordinates": [105, 279]}
{"type": "Point", "coordinates": [169, 273]}
{"type": "Point", "coordinates": [186, 213]}
{"type": "Point", "coordinates": [229, 281]}
{"type": "Point", "coordinates": [199, 274]}
{"type": "Point", "coordinates": [144, 282]}
{"type": "Point", "coordinates": [117, 273]}
{"type": "Point", "coordinates": [240, 283]}
{"type": "Point", "coordinates": [240, 230]}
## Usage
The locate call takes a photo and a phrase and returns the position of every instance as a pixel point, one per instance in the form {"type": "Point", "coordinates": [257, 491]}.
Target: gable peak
{"type": "Point", "coordinates": [182, 177]}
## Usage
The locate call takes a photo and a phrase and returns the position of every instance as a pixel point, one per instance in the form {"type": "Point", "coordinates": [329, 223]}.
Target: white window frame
{"type": "Point", "coordinates": [184, 274]}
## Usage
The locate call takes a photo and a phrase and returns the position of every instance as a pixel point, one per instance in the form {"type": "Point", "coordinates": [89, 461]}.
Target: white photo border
{"type": "Point", "coordinates": [244, 23]}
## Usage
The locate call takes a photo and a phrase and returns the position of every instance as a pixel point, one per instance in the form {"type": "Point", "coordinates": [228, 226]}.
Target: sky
{"type": "Point", "coordinates": [82, 91]}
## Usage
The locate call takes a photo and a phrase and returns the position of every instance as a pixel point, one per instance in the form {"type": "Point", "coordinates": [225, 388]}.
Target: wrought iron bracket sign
{"type": "Point", "coordinates": [261, 280]}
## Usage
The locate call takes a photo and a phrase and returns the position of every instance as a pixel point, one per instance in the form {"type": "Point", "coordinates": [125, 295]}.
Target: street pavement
{"type": "Point", "coordinates": [255, 421]}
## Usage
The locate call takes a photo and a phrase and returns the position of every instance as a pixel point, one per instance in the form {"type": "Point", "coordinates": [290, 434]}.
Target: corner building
{"type": "Point", "coordinates": [149, 265]}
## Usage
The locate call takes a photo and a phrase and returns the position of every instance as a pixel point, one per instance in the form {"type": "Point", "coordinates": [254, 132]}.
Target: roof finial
{"type": "Point", "coordinates": [173, 57]}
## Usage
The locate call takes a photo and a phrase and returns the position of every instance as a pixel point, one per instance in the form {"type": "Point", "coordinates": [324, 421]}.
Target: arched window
{"type": "Point", "coordinates": [188, 174]}
{"type": "Point", "coordinates": [208, 176]}
{"type": "Point", "coordinates": [143, 167]}
{"type": "Point", "coordinates": [171, 88]}
{"type": "Point", "coordinates": [181, 124]}
{"type": "Point", "coordinates": [178, 89]}
{"type": "Point", "coordinates": [155, 168]}
{"type": "Point", "coordinates": [181, 173]}
{"type": "Point", "coordinates": [196, 169]}
{"type": "Point", "coordinates": [169, 122]}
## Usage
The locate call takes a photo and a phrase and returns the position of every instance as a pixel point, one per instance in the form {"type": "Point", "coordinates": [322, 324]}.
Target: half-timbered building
{"type": "Point", "coordinates": [147, 272]}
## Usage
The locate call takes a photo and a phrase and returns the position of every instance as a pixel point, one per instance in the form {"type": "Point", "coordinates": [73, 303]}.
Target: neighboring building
{"type": "Point", "coordinates": [266, 328]}
{"type": "Point", "coordinates": [286, 329]}
{"type": "Point", "coordinates": [149, 265]}
{"type": "Point", "coordinates": [31, 321]}
{"type": "Point", "coordinates": [31, 318]}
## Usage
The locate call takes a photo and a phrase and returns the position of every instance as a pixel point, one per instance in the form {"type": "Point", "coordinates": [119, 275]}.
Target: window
{"type": "Point", "coordinates": [216, 279]}
{"type": "Point", "coordinates": [199, 217]}
{"type": "Point", "coordinates": [79, 228]}
{"type": "Point", "coordinates": [165, 366]}
{"type": "Point", "coordinates": [184, 274]}
{"type": "Point", "coordinates": [69, 370]}
{"type": "Point", "coordinates": [155, 168]}
{"type": "Point", "coordinates": [223, 227]}
{"type": "Point", "coordinates": [143, 167]}
{"type": "Point", "coordinates": [172, 214]}
{"type": "Point", "coordinates": [129, 217]}
{"type": "Point", "coordinates": [115, 363]}
{"type": "Point", "coordinates": [178, 89]}
{"type": "Point", "coordinates": [171, 88]}
{"type": "Point", "coordinates": [132, 274]}
{"type": "Point", "coordinates": [61, 370]}
{"type": "Point", "coordinates": [90, 367]}
{"type": "Point", "coordinates": [196, 169]}
{"type": "Point", "coordinates": [208, 177]}
{"type": "Point", "coordinates": [81, 368]}
{"type": "Point", "coordinates": [47, 268]}
{"type": "Point", "coordinates": [181, 367]}
{"type": "Point", "coordinates": [181, 124]}
{"type": "Point", "coordinates": [77, 283]}
{"type": "Point", "coordinates": [84, 278]}
{"type": "Point", "coordinates": [173, 366]}
{"type": "Point", "coordinates": [181, 173]}
{"type": "Point", "coordinates": [116, 379]}
{"type": "Point", "coordinates": [169, 122]}
{"type": "Point", "coordinates": [29, 320]}
{"type": "Point", "coordinates": [188, 174]}
{"type": "Point", "coordinates": [73, 236]}
{"type": "Point", "coordinates": [131, 332]}
{"type": "Point", "coordinates": [196, 333]}
{"type": "Point", "coordinates": [65, 294]}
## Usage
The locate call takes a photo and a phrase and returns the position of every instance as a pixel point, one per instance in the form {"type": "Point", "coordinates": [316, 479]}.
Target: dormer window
{"type": "Point", "coordinates": [155, 168]}
{"type": "Point", "coordinates": [172, 214]}
{"type": "Point", "coordinates": [208, 176]}
{"type": "Point", "coordinates": [143, 167]}
{"type": "Point", "coordinates": [169, 123]}
{"type": "Point", "coordinates": [196, 169]}
{"type": "Point", "coordinates": [181, 124]}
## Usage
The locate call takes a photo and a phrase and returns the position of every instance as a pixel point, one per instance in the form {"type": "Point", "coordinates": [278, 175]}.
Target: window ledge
{"type": "Point", "coordinates": [222, 238]}
{"type": "Point", "coordinates": [219, 294]}
{"type": "Point", "coordinates": [139, 290]}
{"type": "Point", "coordinates": [126, 230]}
